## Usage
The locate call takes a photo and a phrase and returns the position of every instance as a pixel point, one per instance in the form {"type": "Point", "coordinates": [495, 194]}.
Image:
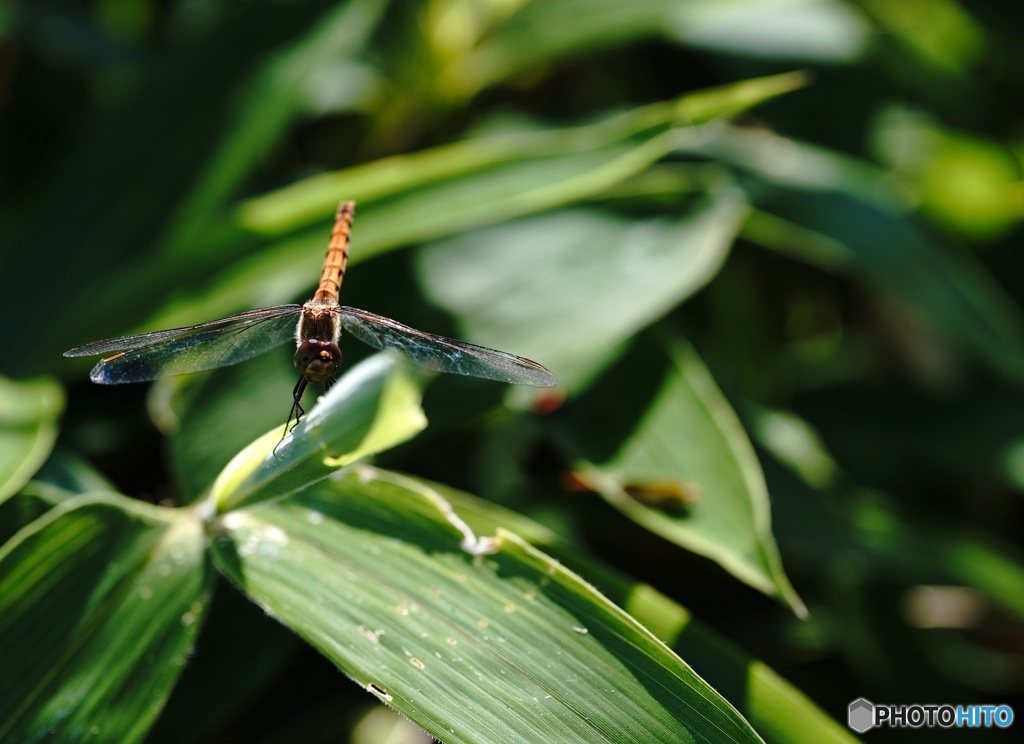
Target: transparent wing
{"type": "Point", "coordinates": [440, 353]}
{"type": "Point", "coordinates": [179, 351]}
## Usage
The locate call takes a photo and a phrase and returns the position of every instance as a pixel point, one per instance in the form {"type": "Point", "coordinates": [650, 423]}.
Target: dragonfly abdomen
{"type": "Point", "coordinates": [337, 254]}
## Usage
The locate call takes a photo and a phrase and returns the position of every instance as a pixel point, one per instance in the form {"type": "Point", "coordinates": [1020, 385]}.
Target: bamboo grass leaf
{"type": "Point", "coordinates": [504, 644]}
{"type": "Point", "coordinates": [99, 602]}
{"type": "Point", "coordinates": [28, 429]}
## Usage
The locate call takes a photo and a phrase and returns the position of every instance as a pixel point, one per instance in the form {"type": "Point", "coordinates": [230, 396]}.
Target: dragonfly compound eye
{"type": "Point", "coordinates": [317, 360]}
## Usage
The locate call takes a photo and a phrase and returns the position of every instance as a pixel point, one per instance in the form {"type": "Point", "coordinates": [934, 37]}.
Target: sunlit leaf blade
{"type": "Point", "coordinates": [375, 405]}
{"type": "Point", "coordinates": [674, 458]}
{"type": "Point", "coordinates": [569, 287]}
{"type": "Point", "coordinates": [218, 418]}
{"type": "Point", "coordinates": [288, 265]}
{"type": "Point", "coordinates": [310, 201]}
{"type": "Point", "coordinates": [499, 647]}
{"type": "Point", "coordinates": [772, 705]}
{"type": "Point", "coordinates": [99, 603]}
{"type": "Point", "coordinates": [28, 428]}
{"type": "Point", "coordinates": [62, 477]}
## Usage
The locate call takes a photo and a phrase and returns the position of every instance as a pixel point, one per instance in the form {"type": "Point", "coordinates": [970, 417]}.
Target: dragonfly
{"type": "Point", "coordinates": [316, 329]}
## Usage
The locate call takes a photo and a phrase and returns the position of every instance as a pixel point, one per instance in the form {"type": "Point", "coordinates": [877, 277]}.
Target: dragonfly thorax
{"type": "Point", "coordinates": [319, 320]}
{"type": "Point", "coordinates": [317, 360]}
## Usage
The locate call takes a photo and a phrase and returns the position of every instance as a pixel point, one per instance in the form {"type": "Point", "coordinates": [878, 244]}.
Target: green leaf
{"type": "Point", "coordinates": [312, 200]}
{"type": "Point", "coordinates": [492, 641]}
{"type": "Point", "coordinates": [528, 40]}
{"type": "Point", "coordinates": [673, 457]}
{"type": "Point", "coordinates": [425, 195]}
{"type": "Point", "coordinates": [848, 219]}
{"type": "Point", "coordinates": [28, 428]}
{"type": "Point", "coordinates": [63, 476]}
{"type": "Point", "coordinates": [773, 706]}
{"type": "Point", "coordinates": [99, 603]}
{"type": "Point", "coordinates": [269, 102]}
{"type": "Point", "coordinates": [568, 288]}
{"type": "Point", "coordinates": [374, 406]}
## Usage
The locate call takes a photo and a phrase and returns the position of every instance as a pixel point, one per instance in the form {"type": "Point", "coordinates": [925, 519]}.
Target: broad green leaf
{"type": "Point", "coordinates": [849, 220]}
{"type": "Point", "coordinates": [490, 641]}
{"type": "Point", "coordinates": [673, 457]}
{"type": "Point", "coordinates": [375, 405]}
{"type": "Point", "coordinates": [99, 603]}
{"type": "Point", "coordinates": [28, 428]}
{"type": "Point", "coordinates": [567, 288]}
{"type": "Point", "coordinates": [773, 706]}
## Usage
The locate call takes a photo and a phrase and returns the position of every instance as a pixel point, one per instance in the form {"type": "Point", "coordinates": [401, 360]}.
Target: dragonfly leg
{"type": "Point", "coordinates": [296, 411]}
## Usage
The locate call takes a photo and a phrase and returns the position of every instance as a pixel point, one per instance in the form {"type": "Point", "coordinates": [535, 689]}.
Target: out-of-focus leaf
{"type": "Point", "coordinates": [812, 29]}
{"type": "Point", "coordinates": [99, 602]}
{"type": "Point", "coordinates": [472, 648]}
{"type": "Point", "coordinates": [568, 288]}
{"type": "Point", "coordinates": [775, 708]}
{"type": "Point", "coordinates": [821, 31]}
{"type": "Point", "coordinates": [28, 427]}
{"type": "Point", "coordinates": [978, 437]}
{"type": "Point", "coordinates": [679, 463]}
{"type": "Point", "coordinates": [418, 197]}
{"type": "Point", "coordinates": [311, 201]}
{"type": "Point", "coordinates": [842, 520]}
{"type": "Point", "coordinates": [947, 37]}
{"type": "Point", "coordinates": [143, 153]}
{"type": "Point", "coordinates": [375, 405]}
{"type": "Point", "coordinates": [266, 105]}
{"type": "Point", "coordinates": [867, 233]}
{"type": "Point", "coordinates": [963, 182]}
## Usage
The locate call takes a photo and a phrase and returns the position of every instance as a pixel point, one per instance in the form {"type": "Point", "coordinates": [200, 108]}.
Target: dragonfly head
{"type": "Point", "coordinates": [317, 360]}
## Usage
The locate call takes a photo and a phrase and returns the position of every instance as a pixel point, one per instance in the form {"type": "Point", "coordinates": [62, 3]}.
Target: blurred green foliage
{"type": "Point", "coordinates": [770, 247]}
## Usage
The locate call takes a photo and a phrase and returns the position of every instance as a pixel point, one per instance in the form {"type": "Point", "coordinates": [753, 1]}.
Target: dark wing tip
{"type": "Point", "coordinates": [103, 375]}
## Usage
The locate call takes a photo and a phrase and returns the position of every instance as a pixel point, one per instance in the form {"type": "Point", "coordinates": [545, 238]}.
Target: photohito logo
{"type": "Point", "coordinates": [863, 715]}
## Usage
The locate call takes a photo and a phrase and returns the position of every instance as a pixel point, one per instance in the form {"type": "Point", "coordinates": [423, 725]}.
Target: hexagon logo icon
{"type": "Point", "coordinates": [860, 716]}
